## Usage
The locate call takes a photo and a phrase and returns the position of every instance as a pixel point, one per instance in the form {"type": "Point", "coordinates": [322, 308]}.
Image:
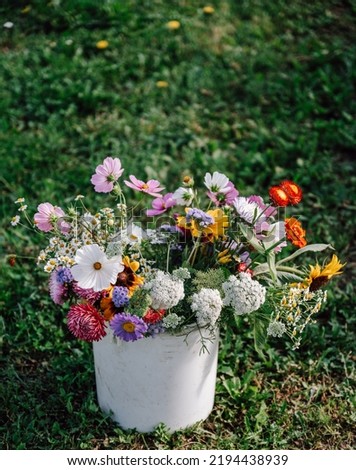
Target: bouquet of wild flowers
{"type": "Point", "coordinates": [195, 257]}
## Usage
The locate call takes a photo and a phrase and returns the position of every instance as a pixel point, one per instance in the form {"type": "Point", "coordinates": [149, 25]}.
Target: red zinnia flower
{"type": "Point", "coordinates": [85, 322]}
{"type": "Point", "coordinates": [293, 191]}
{"type": "Point", "coordinates": [153, 316]}
{"type": "Point", "coordinates": [278, 196]}
{"type": "Point", "coordinates": [295, 232]}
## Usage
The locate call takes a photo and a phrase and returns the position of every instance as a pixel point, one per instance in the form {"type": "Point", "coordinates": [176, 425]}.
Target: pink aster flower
{"type": "Point", "coordinates": [161, 204]}
{"type": "Point", "coordinates": [151, 187]}
{"type": "Point", "coordinates": [87, 294]}
{"type": "Point", "coordinates": [48, 217]}
{"type": "Point", "coordinates": [106, 175]}
{"type": "Point", "coordinates": [86, 323]}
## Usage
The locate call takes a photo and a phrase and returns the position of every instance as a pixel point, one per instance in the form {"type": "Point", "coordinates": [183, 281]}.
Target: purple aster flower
{"type": "Point", "coordinates": [128, 327]}
{"type": "Point", "coordinates": [203, 219]}
{"type": "Point", "coordinates": [120, 296]}
{"type": "Point", "coordinates": [58, 290]}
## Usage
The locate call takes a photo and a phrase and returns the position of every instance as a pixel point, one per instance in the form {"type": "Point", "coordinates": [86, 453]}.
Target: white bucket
{"type": "Point", "coordinates": [163, 379]}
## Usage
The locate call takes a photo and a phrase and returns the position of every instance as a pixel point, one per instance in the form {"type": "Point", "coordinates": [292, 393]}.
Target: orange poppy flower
{"type": "Point", "coordinates": [295, 232]}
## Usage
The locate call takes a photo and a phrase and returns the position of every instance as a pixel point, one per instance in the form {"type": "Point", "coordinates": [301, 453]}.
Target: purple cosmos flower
{"type": "Point", "coordinates": [48, 217]}
{"type": "Point", "coordinates": [86, 323]}
{"type": "Point", "coordinates": [120, 296]}
{"type": "Point", "coordinates": [151, 187]}
{"type": "Point", "coordinates": [128, 327]}
{"type": "Point", "coordinates": [202, 218]}
{"type": "Point", "coordinates": [226, 198]}
{"type": "Point", "coordinates": [161, 204]}
{"type": "Point", "coordinates": [106, 175]}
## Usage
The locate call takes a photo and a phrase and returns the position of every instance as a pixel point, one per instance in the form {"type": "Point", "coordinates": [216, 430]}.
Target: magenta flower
{"type": "Point", "coordinates": [48, 217]}
{"type": "Point", "coordinates": [151, 187]}
{"type": "Point", "coordinates": [268, 210]}
{"type": "Point", "coordinates": [86, 323]}
{"type": "Point", "coordinates": [161, 204]}
{"type": "Point", "coordinates": [224, 198]}
{"type": "Point", "coordinates": [106, 175]}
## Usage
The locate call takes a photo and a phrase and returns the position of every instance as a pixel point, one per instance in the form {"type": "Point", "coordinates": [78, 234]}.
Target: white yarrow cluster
{"type": "Point", "coordinates": [165, 290]}
{"type": "Point", "coordinates": [276, 328]}
{"type": "Point", "coordinates": [207, 305]}
{"type": "Point", "coordinates": [171, 321]}
{"type": "Point", "coordinates": [243, 294]}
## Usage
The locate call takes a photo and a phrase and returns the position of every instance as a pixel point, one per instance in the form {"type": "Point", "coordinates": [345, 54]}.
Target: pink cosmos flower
{"type": "Point", "coordinates": [161, 204]}
{"type": "Point", "coordinates": [48, 217]}
{"type": "Point", "coordinates": [151, 187]}
{"type": "Point", "coordinates": [224, 198]}
{"type": "Point", "coordinates": [106, 175]}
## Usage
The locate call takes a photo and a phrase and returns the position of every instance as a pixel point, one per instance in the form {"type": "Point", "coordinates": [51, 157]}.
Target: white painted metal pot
{"type": "Point", "coordinates": [163, 379]}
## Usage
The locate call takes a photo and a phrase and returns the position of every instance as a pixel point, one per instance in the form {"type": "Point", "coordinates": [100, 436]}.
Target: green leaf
{"type": "Point", "coordinates": [260, 321]}
{"type": "Point", "coordinates": [314, 247]}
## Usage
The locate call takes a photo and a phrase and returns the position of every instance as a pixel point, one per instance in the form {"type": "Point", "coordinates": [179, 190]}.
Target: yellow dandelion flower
{"type": "Point", "coordinates": [173, 25]}
{"type": "Point", "coordinates": [103, 44]}
{"type": "Point", "coordinates": [208, 10]}
{"type": "Point", "coordinates": [162, 84]}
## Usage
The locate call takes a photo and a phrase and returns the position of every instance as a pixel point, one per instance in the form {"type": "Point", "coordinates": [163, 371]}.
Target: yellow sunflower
{"type": "Point", "coordinates": [319, 276]}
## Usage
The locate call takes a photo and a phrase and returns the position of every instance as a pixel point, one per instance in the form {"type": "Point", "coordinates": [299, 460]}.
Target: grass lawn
{"type": "Point", "coordinates": [259, 90]}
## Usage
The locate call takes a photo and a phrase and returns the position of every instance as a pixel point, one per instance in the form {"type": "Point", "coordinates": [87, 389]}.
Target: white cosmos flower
{"type": "Point", "coordinates": [217, 183]}
{"type": "Point", "coordinates": [94, 270]}
{"type": "Point", "coordinates": [183, 196]}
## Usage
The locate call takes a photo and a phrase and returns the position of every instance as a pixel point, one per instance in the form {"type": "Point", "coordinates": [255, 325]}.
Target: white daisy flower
{"type": "Point", "coordinates": [217, 182]}
{"type": "Point", "coordinates": [15, 220]}
{"type": "Point", "coordinates": [94, 270]}
{"type": "Point", "coordinates": [183, 196]}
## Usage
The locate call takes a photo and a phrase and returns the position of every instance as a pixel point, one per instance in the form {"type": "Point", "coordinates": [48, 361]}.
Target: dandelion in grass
{"type": "Point", "coordinates": [128, 327]}
{"type": "Point", "coordinates": [208, 10]}
{"type": "Point", "coordinates": [162, 84]}
{"type": "Point", "coordinates": [85, 322]}
{"type": "Point", "coordinates": [173, 25]}
{"type": "Point", "coordinates": [152, 187]}
{"type": "Point", "coordinates": [93, 270]}
{"type": "Point", "coordinates": [106, 175]}
{"type": "Point", "coordinates": [103, 44]}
